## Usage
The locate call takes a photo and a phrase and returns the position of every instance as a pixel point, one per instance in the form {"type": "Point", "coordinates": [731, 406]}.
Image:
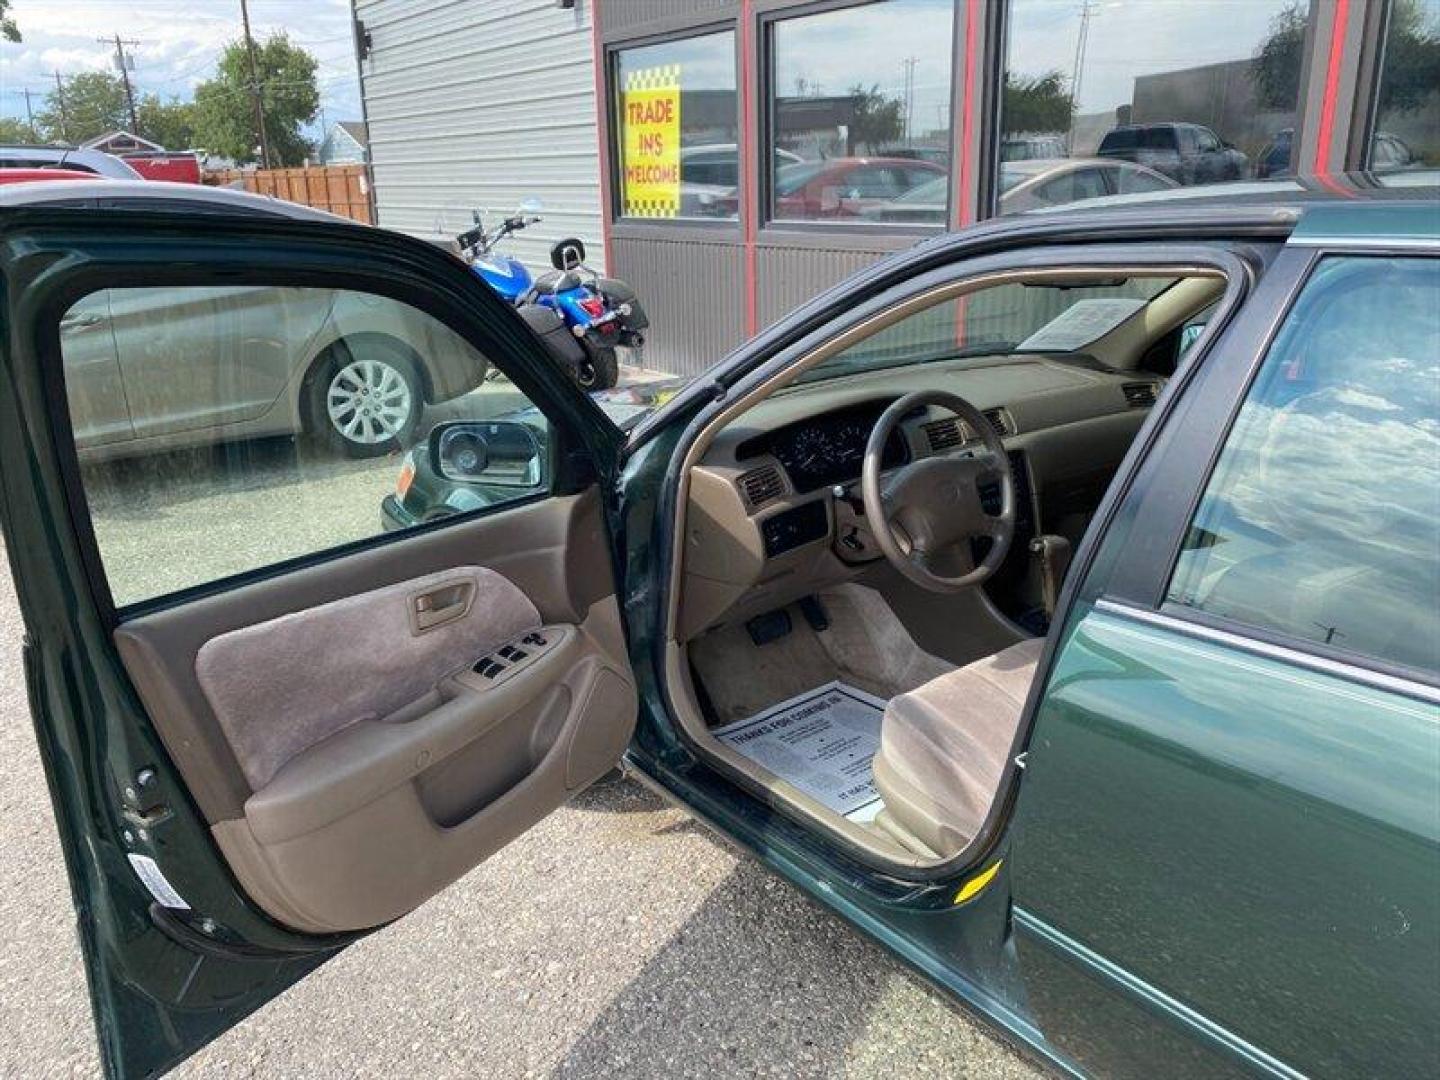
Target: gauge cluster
{"type": "Point", "coordinates": [829, 449]}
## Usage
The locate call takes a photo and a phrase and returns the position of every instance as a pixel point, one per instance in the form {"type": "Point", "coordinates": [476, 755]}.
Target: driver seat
{"type": "Point", "coordinates": [943, 746]}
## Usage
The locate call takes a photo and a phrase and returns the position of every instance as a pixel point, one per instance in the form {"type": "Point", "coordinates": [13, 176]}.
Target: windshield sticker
{"type": "Point", "coordinates": [1085, 321]}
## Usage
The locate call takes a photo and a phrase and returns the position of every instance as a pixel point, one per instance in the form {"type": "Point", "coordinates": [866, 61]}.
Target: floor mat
{"type": "Point", "coordinates": [822, 741]}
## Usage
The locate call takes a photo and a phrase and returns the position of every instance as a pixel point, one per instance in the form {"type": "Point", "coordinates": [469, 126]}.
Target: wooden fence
{"type": "Point", "coordinates": [340, 189]}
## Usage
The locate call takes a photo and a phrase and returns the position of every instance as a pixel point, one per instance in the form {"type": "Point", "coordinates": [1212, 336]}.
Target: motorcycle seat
{"type": "Point", "coordinates": [554, 281]}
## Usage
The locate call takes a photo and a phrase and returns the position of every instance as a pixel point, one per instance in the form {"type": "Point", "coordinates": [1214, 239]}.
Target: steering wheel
{"type": "Point", "coordinates": [924, 514]}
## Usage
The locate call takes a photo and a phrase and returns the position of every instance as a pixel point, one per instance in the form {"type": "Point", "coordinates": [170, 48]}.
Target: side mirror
{"type": "Point", "coordinates": [495, 453]}
{"type": "Point", "coordinates": [567, 254]}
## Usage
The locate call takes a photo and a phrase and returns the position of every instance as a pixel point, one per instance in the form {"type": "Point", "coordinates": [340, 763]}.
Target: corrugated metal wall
{"type": "Point", "coordinates": [694, 293]}
{"type": "Point", "coordinates": [479, 105]}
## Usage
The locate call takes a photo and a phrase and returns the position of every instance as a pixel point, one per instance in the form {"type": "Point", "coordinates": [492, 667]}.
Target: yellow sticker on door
{"type": "Point", "coordinates": [650, 123]}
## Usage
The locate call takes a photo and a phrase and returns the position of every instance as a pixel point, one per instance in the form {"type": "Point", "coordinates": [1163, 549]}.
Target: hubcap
{"type": "Point", "coordinates": [368, 401]}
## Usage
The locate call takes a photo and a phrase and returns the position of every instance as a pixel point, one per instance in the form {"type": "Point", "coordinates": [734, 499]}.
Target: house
{"type": "Point", "coordinates": [346, 143]}
{"type": "Point", "coordinates": [120, 143]}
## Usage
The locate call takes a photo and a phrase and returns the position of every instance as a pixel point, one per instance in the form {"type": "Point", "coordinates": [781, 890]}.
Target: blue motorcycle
{"type": "Point", "coordinates": [571, 301]}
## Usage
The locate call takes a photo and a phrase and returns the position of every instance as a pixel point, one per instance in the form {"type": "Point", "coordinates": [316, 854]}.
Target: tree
{"type": "Point", "coordinates": [225, 108]}
{"type": "Point", "coordinates": [16, 131]}
{"type": "Point", "coordinates": [94, 104]}
{"type": "Point", "coordinates": [169, 123]}
{"type": "Point", "coordinates": [8, 30]}
{"type": "Point", "coordinates": [1276, 70]}
{"type": "Point", "coordinates": [1035, 103]}
{"type": "Point", "coordinates": [1412, 58]}
{"type": "Point", "coordinates": [877, 119]}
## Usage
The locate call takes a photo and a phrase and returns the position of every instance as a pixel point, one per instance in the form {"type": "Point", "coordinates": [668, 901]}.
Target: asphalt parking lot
{"type": "Point", "coordinates": [617, 939]}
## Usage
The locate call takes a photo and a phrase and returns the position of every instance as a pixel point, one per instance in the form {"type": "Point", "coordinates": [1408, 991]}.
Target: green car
{"type": "Point", "coordinates": [1057, 600]}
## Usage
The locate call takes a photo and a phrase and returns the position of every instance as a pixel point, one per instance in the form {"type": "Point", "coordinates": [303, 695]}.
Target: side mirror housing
{"type": "Point", "coordinates": [494, 453]}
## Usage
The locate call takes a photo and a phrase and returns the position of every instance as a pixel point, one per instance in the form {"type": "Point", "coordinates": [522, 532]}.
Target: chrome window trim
{"type": "Point", "coordinates": [1378, 245]}
{"type": "Point", "coordinates": [1271, 650]}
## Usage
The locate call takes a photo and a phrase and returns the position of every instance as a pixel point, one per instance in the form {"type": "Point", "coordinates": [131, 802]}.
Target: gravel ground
{"type": "Point", "coordinates": [617, 939]}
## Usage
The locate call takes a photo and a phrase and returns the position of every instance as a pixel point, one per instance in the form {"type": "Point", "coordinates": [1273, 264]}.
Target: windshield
{"type": "Point", "coordinates": [1056, 320]}
{"type": "Point", "coordinates": [1156, 138]}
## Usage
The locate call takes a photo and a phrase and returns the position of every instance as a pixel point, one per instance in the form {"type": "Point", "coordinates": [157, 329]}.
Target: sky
{"type": "Point", "coordinates": [180, 42]}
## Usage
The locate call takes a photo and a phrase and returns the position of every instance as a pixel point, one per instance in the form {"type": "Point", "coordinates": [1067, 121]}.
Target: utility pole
{"type": "Point", "coordinates": [1081, 40]}
{"type": "Point", "coordinates": [255, 88]}
{"type": "Point", "coordinates": [30, 115]}
{"type": "Point", "coordinates": [60, 99]}
{"type": "Point", "coordinates": [125, 64]}
{"type": "Point", "coordinates": [908, 64]}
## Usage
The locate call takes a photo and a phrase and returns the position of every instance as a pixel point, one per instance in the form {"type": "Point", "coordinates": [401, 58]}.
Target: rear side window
{"type": "Point", "coordinates": [1321, 521]}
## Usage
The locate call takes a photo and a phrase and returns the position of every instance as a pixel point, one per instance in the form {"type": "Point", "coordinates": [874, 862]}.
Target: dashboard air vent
{"type": "Point", "coordinates": [1140, 395]}
{"type": "Point", "coordinates": [1000, 421]}
{"type": "Point", "coordinates": [944, 434]}
{"type": "Point", "coordinates": [761, 485]}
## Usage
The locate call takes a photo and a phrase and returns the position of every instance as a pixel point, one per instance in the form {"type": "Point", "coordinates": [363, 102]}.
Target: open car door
{"type": "Point", "coordinates": [268, 724]}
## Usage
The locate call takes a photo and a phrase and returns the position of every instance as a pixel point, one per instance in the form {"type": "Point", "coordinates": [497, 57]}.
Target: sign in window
{"type": "Point", "coordinates": [678, 135]}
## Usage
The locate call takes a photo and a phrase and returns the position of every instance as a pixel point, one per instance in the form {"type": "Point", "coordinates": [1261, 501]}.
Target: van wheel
{"type": "Point", "coordinates": [365, 399]}
{"type": "Point", "coordinates": [598, 369]}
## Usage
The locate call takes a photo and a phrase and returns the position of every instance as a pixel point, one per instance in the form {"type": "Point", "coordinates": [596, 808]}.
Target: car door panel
{"type": "Point", "coordinates": [295, 762]}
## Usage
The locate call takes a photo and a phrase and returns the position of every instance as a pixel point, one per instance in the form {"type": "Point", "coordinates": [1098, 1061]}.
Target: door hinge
{"type": "Point", "coordinates": [141, 803]}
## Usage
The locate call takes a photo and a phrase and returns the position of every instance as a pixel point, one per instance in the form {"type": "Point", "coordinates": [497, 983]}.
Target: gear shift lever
{"type": "Point", "coordinates": [1053, 553]}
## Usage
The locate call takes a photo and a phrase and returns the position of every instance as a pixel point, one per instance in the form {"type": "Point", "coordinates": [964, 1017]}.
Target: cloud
{"type": "Point", "coordinates": [179, 45]}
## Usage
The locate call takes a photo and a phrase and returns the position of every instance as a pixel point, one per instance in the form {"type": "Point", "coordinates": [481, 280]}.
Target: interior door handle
{"type": "Point", "coordinates": [442, 605]}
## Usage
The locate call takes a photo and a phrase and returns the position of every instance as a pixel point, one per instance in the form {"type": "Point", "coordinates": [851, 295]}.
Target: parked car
{"type": "Point", "coordinates": [1027, 185]}
{"type": "Point", "coordinates": [353, 373]}
{"type": "Point", "coordinates": [710, 177]}
{"type": "Point", "coordinates": [32, 176]}
{"type": "Point", "coordinates": [1389, 152]}
{"type": "Point", "coordinates": [180, 166]}
{"type": "Point", "coordinates": [17, 156]}
{"type": "Point", "coordinates": [1187, 153]}
{"type": "Point", "coordinates": [1168, 807]}
{"type": "Point", "coordinates": [845, 187]}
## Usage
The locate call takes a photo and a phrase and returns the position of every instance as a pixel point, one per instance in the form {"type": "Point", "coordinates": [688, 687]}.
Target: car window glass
{"type": "Point", "coordinates": [1134, 180]}
{"type": "Point", "coordinates": [1406, 131]}
{"type": "Point", "coordinates": [221, 430]}
{"type": "Point", "coordinates": [1321, 521]}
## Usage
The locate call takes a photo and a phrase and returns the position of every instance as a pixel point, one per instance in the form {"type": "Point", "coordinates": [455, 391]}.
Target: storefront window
{"type": "Point", "coordinates": [677, 122]}
{"type": "Point", "coordinates": [860, 114]}
{"type": "Point", "coordinates": [1407, 110]}
{"type": "Point", "coordinates": [1117, 96]}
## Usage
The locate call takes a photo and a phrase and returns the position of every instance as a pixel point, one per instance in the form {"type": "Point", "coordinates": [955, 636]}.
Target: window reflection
{"type": "Point", "coordinates": [1407, 108]}
{"type": "Point", "coordinates": [860, 120]}
{"type": "Point", "coordinates": [1322, 520]}
{"type": "Point", "coordinates": [1164, 94]}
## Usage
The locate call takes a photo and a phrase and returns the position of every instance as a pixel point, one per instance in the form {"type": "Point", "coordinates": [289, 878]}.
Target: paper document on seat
{"type": "Point", "coordinates": [822, 741]}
